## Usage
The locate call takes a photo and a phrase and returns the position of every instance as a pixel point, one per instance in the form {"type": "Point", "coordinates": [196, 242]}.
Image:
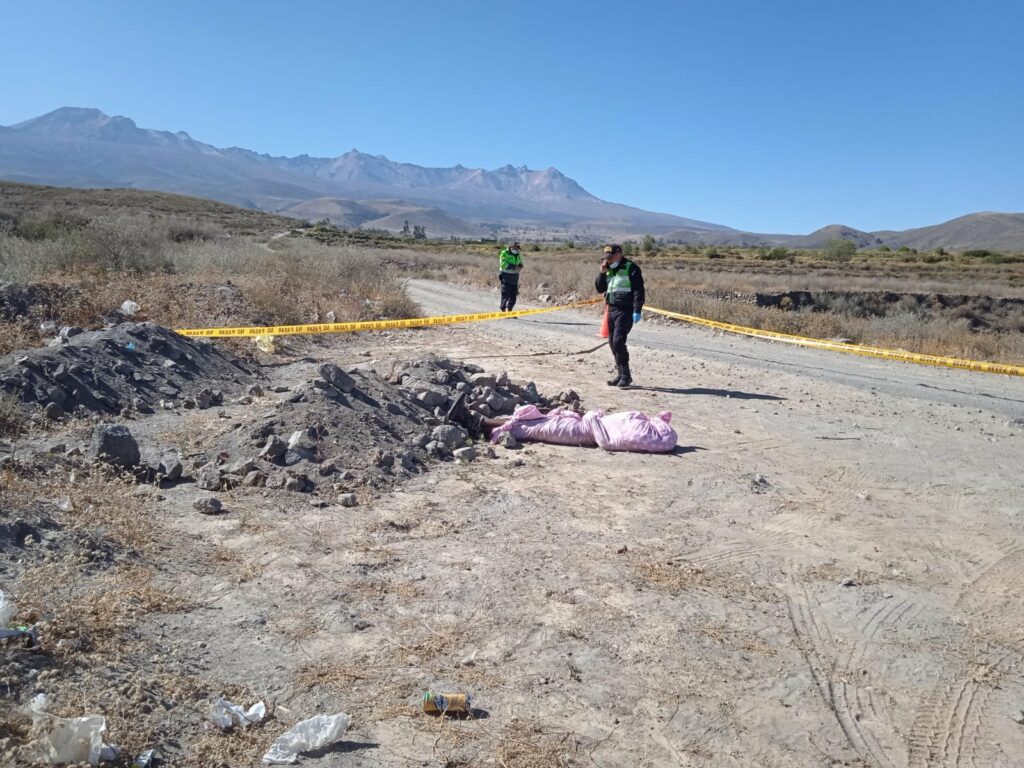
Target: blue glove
{"type": "Point", "coordinates": [636, 317]}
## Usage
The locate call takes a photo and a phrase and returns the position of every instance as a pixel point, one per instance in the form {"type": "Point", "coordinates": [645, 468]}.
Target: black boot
{"type": "Point", "coordinates": [618, 377]}
{"type": "Point", "coordinates": [625, 379]}
{"type": "Point", "coordinates": [460, 414]}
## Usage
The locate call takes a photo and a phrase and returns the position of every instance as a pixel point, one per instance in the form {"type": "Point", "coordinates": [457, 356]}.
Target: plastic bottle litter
{"type": "Point", "coordinates": [315, 733]}
{"type": "Point", "coordinates": [145, 759]}
{"type": "Point", "coordinates": [447, 703]}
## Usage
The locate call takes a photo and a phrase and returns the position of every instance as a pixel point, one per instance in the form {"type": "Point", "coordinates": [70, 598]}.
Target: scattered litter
{"type": "Point", "coordinates": [145, 759]}
{"type": "Point", "coordinates": [69, 740]}
{"type": "Point", "coordinates": [266, 342]}
{"type": "Point", "coordinates": [8, 632]}
{"type": "Point", "coordinates": [848, 582]}
{"type": "Point", "coordinates": [316, 732]}
{"type": "Point", "coordinates": [129, 308]}
{"type": "Point", "coordinates": [447, 703]}
{"type": "Point", "coordinates": [760, 484]}
{"type": "Point", "coordinates": [1018, 717]}
{"type": "Point", "coordinates": [7, 609]}
{"type": "Point", "coordinates": [226, 714]}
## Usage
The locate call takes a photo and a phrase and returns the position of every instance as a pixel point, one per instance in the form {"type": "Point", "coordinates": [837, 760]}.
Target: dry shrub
{"type": "Point", "coordinates": [12, 417]}
{"type": "Point", "coordinates": [89, 610]}
{"type": "Point", "coordinates": [17, 335]}
{"type": "Point", "coordinates": [186, 276]}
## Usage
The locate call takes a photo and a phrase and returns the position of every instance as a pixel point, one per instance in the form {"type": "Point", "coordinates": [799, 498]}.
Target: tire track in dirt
{"type": "Point", "coordinates": [887, 614]}
{"type": "Point", "coordinates": [733, 552]}
{"type": "Point", "coordinates": [950, 721]}
{"type": "Point", "coordinates": [818, 647]}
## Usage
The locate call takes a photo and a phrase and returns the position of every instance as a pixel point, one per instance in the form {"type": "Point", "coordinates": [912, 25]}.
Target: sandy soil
{"type": "Point", "coordinates": [628, 610]}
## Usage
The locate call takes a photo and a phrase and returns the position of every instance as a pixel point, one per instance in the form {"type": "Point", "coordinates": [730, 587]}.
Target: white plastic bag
{"type": "Point", "coordinates": [68, 740]}
{"type": "Point", "coordinates": [129, 308]}
{"type": "Point", "coordinates": [7, 610]}
{"type": "Point", "coordinates": [225, 714]}
{"type": "Point", "coordinates": [314, 733]}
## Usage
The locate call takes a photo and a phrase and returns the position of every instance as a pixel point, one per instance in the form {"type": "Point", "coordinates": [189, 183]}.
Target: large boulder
{"type": "Point", "coordinates": [114, 444]}
{"type": "Point", "coordinates": [449, 436]}
{"type": "Point", "coordinates": [337, 378]}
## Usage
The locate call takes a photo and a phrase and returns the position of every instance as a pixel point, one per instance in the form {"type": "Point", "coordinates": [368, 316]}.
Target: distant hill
{"type": "Point", "coordinates": [820, 237]}
{"type": "Point", "coordinates": [347, 214]}
{"type": "Point", "coordinates": [992, 231]}
{"type": "Point", "coordinates": [27, 200]}
{"type": "Point", "coordinates": [390, 215]}
{"type": "Point", "coordinates": [79, 147]}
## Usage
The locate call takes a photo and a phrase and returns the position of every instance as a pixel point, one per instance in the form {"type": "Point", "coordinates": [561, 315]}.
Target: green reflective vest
{"type": "Point", "coordinates": [508, 261]}
{"type": "Point", "coordinates": [618, 279]}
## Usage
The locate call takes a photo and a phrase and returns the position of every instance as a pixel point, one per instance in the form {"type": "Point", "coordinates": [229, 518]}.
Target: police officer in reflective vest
{"type": "Point", "coordinates": [510, 264]}
{"type": "Point", "coordinates": [623, 287]}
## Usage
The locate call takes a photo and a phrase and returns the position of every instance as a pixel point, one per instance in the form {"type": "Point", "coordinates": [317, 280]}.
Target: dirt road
{"type": "Point", "coordinates": [701, 596]}
{"type": "Point", "coordinates": [827, 571]}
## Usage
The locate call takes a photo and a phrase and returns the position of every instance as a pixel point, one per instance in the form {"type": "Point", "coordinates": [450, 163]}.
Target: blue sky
{"type": "Point", "coordinates": [767, 116]}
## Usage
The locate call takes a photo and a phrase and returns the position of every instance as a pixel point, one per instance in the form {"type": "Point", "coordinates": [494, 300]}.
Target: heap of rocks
{"type": "Point", "coordinates": [130, 367]}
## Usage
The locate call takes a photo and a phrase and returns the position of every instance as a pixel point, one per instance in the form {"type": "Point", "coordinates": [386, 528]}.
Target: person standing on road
{"type": "Point", "coordinates": [510, 264]}
{"type": "Point", "coordinates": [622, 284]}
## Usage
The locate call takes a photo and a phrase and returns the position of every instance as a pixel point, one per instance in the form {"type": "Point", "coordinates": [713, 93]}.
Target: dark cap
{"type": "Point", "coordinates": [612, 248]}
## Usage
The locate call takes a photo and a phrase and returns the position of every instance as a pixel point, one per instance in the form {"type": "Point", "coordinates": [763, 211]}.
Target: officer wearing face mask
{"type": "Point", "coordinates": [623, 287]}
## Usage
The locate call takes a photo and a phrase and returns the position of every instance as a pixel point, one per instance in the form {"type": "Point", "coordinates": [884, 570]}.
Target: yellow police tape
{"type": "Point", "coordinates": [852, 349]}
{"type": "Point", "coordinates": [372, 325]}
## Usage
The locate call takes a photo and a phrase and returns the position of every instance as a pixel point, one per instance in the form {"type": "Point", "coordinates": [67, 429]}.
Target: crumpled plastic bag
{"type": "Point", "coordinates": [266, 342]}
{"type": "Point", "coordinates": [7, 632]}
{"type": "Point", "coordinates": [129, 308]}
{"type": "Point", "coordinates": [316, 732]}
{"type": "Point", "coordinates": [69, 739]}
{"type": "Point", "coordinates": [226, 714]}
{"type": "Point", "coordinates": [7, 610]}
{"type": "Point", "coordinates": [559, 427]}
{"type": "Point", "coordinates": [632, 431]}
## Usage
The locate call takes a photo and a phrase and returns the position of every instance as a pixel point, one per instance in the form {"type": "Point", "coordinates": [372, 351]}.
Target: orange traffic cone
{"type": "Point", "coordinates": [604, 333]}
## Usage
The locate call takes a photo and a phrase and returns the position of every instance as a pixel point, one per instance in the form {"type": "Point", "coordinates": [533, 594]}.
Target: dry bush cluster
{"type": "Point", "coordinates": [185, 273]}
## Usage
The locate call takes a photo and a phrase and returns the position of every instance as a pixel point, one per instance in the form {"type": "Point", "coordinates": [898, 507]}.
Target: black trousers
{"type": "Point", "coordinates": [620, 323]}
{"type": "Point", "coordinates": [509, 289]}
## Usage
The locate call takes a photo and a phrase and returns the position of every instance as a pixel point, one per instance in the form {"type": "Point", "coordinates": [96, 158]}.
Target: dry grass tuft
{"type": "Point", "coordinates": [89, 611]}
{"type": "Point", "coordinates": [678, 578]}
{"type": "Point", "coordinates": [331, 674]}
{"type": "Point", "coordinates": [529, 744]}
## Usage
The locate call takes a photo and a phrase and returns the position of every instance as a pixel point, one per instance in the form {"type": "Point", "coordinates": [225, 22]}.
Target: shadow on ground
{"type": "Point", "coordinates": [730, 393]}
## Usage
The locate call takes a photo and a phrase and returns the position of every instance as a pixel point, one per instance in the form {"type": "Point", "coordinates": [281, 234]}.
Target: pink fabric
{"type": "Point", "coordinates": [559, 427]}
{"type": "Point", "coordinates": [626, 431]}
{"type": "Point", "coordinates": [632, 431]}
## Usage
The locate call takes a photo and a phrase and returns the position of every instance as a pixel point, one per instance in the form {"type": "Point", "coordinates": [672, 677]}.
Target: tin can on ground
{"type": "Point", "coordinates": [447, 703]}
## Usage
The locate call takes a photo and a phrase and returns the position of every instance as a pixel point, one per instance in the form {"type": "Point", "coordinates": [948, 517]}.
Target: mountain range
{"type": "Point", "coordinates": [86, 148]}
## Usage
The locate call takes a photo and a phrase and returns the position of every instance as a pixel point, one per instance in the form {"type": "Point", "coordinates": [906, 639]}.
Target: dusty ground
{"type": "Point", "coordinates": [625, 610]}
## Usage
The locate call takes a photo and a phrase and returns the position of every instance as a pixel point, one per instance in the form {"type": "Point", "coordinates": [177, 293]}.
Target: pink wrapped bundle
{"type": "Point", "coordinates": [559, 427]}
{"type": "Point", "coordinates": [632, 431]}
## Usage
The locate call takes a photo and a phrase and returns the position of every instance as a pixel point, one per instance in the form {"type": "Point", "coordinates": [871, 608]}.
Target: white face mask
{"type": "Point", "coordinates": [615, 264]}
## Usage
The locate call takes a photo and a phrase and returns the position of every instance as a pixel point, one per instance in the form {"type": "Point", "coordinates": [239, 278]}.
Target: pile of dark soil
{"type": "Point", "coordinates": [132, 366]}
